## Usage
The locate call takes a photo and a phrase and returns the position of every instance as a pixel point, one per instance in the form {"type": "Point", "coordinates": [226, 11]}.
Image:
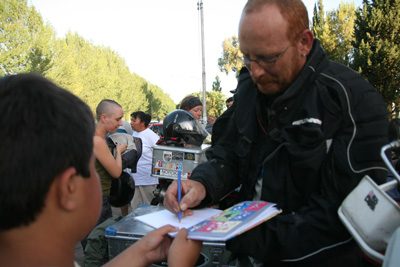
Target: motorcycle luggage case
{"type": "Point", "coordinates": [167, 160]}
{"type": "Point", "coordinates": [127, 231]}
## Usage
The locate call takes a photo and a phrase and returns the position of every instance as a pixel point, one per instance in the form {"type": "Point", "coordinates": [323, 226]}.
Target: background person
{"type": "Point", "coordinates": [145, 184]}
{"type": "Point", "coordinates": [229, 102]}
{"type": "Point", "coordinates": [55, 200]}
{"type": "Point", "coordinates": [109, 118]}
{"type": "Point", "coordinates": [108, 114]}
{"type": "Point", "coordinates": [195, 107]}
{"type": "Point", "coordinates": [302, 133]}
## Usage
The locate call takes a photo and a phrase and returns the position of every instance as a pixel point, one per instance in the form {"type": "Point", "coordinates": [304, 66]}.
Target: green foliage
{"type": "Point", "coordinates": [335, 31]}
{"type": "Point", "coordinates": [231, 56]}
{"type": "Point", "coordinates": [318, 19]}
{"type": "Point", "coordinates": [25, 42]}
{"type": "Point", "coordinates": [215, 102]}
{"type": "Point", "coordinates": [160, 104]}
{"type": "Point", "coordinates": [91, 72]}
{"type": "Point", "coordinates": [95, 73]}
{"type": "Point", "coordinates": [216, 86]}
{"type": "Point", "coordinates": [377, 48]}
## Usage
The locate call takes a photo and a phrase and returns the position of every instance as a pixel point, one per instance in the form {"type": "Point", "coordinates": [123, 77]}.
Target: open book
{"type": "Point", "coordinates": [213, 224]}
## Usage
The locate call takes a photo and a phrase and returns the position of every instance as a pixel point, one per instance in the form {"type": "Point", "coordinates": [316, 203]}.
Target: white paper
{"type": "Point", "coordinates": [165, 217]}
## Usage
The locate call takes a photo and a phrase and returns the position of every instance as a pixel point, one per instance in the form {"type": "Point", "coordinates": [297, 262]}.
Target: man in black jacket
{"type": "Point", "coordinates": [302, 132]}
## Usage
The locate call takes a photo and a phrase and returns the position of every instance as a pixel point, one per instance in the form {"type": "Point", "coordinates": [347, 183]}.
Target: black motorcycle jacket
{"type": "Point", "coordinates": [307, 148]}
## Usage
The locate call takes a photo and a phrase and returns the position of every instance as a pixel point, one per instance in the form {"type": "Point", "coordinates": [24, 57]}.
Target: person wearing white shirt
{"type": "Point", "coordinates": [145, 184]}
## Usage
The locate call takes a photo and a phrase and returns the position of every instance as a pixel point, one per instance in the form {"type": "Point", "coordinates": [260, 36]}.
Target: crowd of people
{"type": "Point", "coordinates": [301, 131]}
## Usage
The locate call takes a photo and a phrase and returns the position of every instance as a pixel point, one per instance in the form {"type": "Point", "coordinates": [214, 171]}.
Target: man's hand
{"type": "Point", "coordinates": [192, 194]}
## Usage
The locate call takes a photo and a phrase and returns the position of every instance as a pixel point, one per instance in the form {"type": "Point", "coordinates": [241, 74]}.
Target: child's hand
{"type": "Point", "coordinates": [184, 252]}
{"type": "Point", "coordinates": [153, 247]}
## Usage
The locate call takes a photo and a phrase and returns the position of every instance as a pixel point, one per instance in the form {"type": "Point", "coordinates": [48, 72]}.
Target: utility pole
{"type": "Point", "coordinates": [200, 8]}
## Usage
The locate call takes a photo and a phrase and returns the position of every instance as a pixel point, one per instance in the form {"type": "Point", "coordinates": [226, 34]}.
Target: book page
{"type": "Point", "coordinates": [213, 224]}
{"type": "Point", "coordinates": [165, 217]}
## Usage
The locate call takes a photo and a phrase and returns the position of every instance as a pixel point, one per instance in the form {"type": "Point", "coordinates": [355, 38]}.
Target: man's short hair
{"type": "Point", "coordinates": [294, 11]}
{"type": "Point", "coordinates": [106, 106]}
{"type": "Point", "coordinates": [146, 118]}
{"type": "Point", "coordinates": [44, 130]}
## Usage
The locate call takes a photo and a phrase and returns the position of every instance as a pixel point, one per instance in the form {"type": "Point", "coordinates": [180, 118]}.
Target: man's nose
{"type": "Point", "coordinates": [256, 70]}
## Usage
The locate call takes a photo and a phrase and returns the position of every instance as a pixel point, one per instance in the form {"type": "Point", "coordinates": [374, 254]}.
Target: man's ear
{"type": "Point", "coordinates": [68, 184]}
{"type": "Point", "coordinates": [306, 41]}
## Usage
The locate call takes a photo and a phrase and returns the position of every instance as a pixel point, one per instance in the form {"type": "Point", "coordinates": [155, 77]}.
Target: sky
{"type": "Point", "coordinates": [159, 40]}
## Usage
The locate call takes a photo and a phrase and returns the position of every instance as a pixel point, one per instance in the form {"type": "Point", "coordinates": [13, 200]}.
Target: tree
{"type": "Point", "coordinates": [341, 24]}
{"type": "Point", "coordinates": [377, 48]}
{"type": "Point", "coordinates": [133, 96]}
{"type": "Point", "coordinates": [336, 31]}
{"type": "Point", "coordinates": [231, 56]}
{"type": "Point", "coordinates": [91, 72]}
{"type": "Point", "coordinates": [160, 104]}
{"type": "Point", "coordinates": [216, 86]}
{"type": "Point", "coordinates": [95, 73]}
{"type": "Point", "coordinates": [25, 42]}
{"type": "Point", "coordinates": [319, 21]}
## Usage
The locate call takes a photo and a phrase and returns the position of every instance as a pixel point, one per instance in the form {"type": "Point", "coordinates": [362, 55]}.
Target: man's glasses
{"type": "Point", "coordinates": [264, 62]}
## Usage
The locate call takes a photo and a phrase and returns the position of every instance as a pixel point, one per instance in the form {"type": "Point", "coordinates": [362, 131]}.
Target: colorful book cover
{"type": "Point", "coordinates": [233, 221]}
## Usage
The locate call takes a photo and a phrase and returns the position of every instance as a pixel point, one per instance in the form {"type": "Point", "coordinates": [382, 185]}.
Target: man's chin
{"type": "Point", "coordinates": [268, 89]}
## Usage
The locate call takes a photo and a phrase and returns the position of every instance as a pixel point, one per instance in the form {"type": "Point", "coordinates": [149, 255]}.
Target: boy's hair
{"type": "Point", "coordinates": [146, 118]}
{"type": "Point", "coordinates": [230, 99]}
{"type": "Point", "coordinates": [44, 130]}
{"type": "Point", "coordinates": [106, 106]}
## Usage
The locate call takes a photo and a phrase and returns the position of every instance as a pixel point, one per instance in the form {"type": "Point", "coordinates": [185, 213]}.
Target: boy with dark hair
{"type": "Point", "coordinates": [145, 184]}
{"type": "Point", "coordinates": [50, 193]}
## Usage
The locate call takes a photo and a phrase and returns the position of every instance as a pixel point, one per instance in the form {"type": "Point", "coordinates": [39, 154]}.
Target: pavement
{"type": "Point", "coordinates": [79, 254]}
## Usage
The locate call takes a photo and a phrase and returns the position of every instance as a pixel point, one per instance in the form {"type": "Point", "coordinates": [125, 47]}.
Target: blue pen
{"type": "Point", "coordinates": [179, 195]}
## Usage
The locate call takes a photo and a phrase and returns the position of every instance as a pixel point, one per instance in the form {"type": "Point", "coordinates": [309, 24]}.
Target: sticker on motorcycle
{"type": "Point", "coordinates": [167, 156]}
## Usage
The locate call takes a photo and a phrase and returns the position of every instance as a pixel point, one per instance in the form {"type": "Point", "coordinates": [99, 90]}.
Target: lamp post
{"type": "Point", "coordinates": [200, 8]}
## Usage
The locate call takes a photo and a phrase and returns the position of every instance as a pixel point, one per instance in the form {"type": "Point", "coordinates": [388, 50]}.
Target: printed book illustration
{"type": "Point", "coordinates": [233, 221]}
{"type": "Point", "coordinates": [215, 225]}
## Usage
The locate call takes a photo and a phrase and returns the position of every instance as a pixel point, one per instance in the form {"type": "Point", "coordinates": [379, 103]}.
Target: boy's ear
{"type": "Point", "coordinates": [67, 189]}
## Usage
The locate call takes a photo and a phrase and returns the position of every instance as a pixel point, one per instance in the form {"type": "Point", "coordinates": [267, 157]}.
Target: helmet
{"type": "Point", "coordinates": [181, 123]}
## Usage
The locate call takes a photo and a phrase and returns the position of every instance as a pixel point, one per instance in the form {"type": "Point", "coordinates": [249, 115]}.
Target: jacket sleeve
{"type": "Point", "coordinates": [219, 175]}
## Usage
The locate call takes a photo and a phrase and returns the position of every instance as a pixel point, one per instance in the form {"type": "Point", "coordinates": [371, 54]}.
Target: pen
{"type": "Point", "coordinates": [179, 196]}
